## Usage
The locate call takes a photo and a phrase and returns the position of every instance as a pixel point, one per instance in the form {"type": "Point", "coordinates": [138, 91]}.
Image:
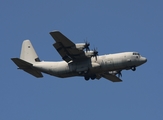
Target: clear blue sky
{"type": "Point", "coordinates": [111, 26]}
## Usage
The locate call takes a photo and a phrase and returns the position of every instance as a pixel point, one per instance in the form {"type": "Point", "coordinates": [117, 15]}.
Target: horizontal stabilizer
{"type": "Point", "coordinates": [27, 67]}
{"type": "Point", "coordinates": [110, 77]}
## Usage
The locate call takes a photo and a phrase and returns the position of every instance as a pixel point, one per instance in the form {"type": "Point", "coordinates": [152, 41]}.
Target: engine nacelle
{"type": "Point", "coordinates": [89, 53]}
{"type": "Point", "coordinates": [80, 46]}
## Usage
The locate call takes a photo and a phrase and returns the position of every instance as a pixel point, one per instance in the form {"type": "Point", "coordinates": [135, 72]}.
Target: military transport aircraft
{"type": "Point", "coordinates": [79, 60]}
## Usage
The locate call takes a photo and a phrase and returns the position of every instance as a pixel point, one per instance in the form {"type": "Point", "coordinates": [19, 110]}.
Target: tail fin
{"type": "Point", "coordinates": [28, 53]}
{"type": "Point", "coordinates": [27, 58]}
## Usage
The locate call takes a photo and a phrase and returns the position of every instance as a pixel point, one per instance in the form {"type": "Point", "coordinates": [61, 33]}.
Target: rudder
{"type": "Point", "coordinates": [28, 53]}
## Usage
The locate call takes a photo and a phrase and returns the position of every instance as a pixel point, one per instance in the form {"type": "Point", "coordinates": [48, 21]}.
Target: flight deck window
{"type": "Point", "coordinates": [136, 54]}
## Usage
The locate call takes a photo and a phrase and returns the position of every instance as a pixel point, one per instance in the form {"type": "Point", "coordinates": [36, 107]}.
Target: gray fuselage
{"type": "Point", "coordinates": [91, 66]}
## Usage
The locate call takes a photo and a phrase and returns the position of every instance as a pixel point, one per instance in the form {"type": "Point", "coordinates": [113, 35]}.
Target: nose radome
{"type": "Point", "coordinates": [144, 59]}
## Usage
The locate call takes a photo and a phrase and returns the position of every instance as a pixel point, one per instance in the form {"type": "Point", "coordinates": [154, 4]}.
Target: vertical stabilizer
{"type": "Point", "coordinates": [28, 53]}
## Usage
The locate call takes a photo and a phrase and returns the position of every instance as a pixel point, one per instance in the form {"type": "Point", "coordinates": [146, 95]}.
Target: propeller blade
{"type": "Point", "coordinates": [95, 53]}
{"type": "Point", "coordinates": [96, 58]}
{"type": "Point", "coordinates": [87, 44]}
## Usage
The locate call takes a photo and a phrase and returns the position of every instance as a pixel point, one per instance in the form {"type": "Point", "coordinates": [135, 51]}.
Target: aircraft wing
{"type": "Point", "coordinates": [111, 77]}
{"type": "Point", "coordinates": [66, 48]}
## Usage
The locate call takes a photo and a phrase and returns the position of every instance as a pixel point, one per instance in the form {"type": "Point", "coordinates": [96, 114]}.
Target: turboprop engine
{"type": "Point", "coordinates": [82, 46]}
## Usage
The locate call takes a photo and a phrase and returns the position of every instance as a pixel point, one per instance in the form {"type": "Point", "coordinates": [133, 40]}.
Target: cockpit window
{"type": "Point", "coordinates": [136, 54]}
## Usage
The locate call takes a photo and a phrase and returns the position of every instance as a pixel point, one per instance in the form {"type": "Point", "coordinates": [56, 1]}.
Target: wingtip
{"type": "Point", "coordinates": [54, 31]}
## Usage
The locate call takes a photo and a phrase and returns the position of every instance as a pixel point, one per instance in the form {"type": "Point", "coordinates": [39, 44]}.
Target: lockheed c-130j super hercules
{"type": "Point", "coordinates": [79, 60]}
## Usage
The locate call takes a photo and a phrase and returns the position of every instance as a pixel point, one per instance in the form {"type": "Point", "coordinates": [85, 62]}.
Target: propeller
{"type": "Point", "coordinates": [87, 44]}
{"type": "Point", "coordinates": [119, 74]}
{"type": "Point", "coordinates": [95, 53]}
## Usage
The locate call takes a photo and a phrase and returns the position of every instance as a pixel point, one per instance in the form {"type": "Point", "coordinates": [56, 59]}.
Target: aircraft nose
{"type": "Point", "coordinates": [144, 60]}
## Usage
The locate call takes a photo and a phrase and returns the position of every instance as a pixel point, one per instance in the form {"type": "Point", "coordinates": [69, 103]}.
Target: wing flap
{"type": "Point", "coordinates": [66, 48]}
{"type": "Point", "coordinates": [59, 47]}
